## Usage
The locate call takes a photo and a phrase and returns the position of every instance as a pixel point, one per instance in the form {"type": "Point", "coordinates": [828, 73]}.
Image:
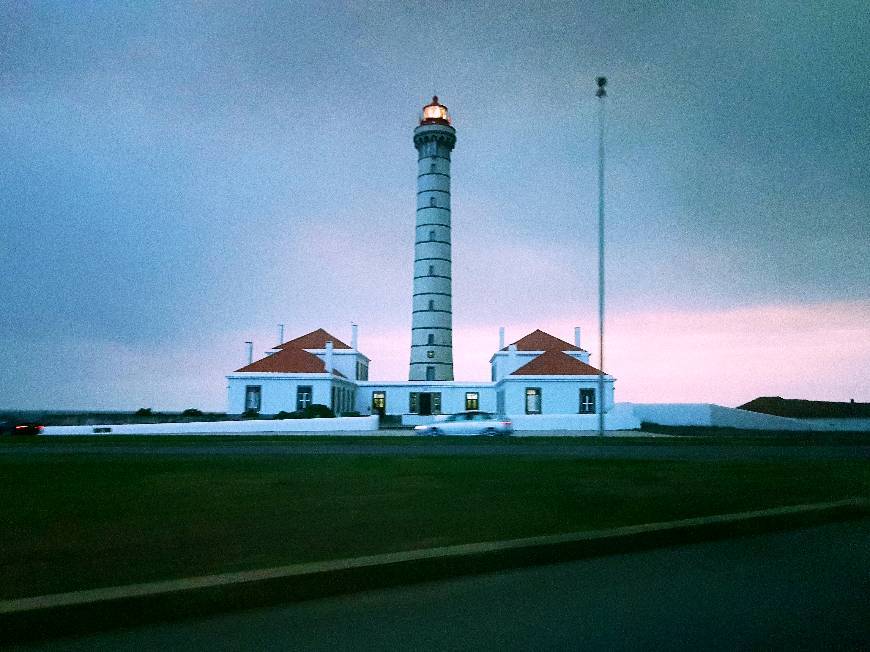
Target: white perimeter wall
{"type": "Point", "coordinates": [850, 425]}
{"type": "Point", "coordinates": [249, 426]}
{"type": "Point", "coordinates": [708, 414]}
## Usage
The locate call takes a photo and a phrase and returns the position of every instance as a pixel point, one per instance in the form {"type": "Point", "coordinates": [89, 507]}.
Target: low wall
{"type": "Point", "coordinates": [674, 414]}
{"type": "Point", "coordinates": [724, 417]}
{"type": "Point", "coordinates": [711, 415]}
{"type": "Point", "coordinates": [850, 425]}
{"type": "Point", "coordinates": [246, 427]}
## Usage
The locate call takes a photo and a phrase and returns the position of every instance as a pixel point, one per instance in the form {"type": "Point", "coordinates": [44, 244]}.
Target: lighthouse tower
{"type": "Point", "coordinates": [432, 322]}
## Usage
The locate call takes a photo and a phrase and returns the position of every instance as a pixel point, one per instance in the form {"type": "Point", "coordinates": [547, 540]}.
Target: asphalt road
{"type": "Point", "coordinates": [658, 450]}
{"type": "Point", "coordinates": [807, 589]}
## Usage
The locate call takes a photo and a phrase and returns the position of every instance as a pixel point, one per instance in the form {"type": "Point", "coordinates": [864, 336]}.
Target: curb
{"type": "Point", "coordinates": [82, 612]}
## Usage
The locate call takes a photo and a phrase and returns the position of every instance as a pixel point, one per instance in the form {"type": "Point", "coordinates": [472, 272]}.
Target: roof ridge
{"type": "Point", "coordinates": [556, 363]}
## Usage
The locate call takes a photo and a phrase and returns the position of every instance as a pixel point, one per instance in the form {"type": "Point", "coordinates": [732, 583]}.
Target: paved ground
{"type": "Point", "coordinates": [807, 589]}
{"type": "Point", "coordinates": [660, 450]}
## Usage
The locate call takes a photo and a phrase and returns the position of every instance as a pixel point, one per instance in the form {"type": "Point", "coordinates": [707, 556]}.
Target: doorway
{"type": "Point", "coordinates": [425, 404]}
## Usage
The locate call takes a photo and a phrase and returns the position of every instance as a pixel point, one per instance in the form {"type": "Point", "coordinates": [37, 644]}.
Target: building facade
{"type": "Point", "coordinates": [536, 376]}
{"type": "Point", "coordinates": [533, 378]}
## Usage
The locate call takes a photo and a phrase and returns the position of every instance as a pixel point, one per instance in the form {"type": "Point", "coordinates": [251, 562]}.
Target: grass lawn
{"type": "Point", "coordinates": [73, 521]}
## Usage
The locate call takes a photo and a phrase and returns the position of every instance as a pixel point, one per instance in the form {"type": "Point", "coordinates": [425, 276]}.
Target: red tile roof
{"type": "Point", "coordinates": [555, 363]}
{"type": "Point", "coordinates": [538, 340]}
{"type": "Point", "coordinates": [290, 361]}
{"type": "Point", "coordinates": [314, 340]}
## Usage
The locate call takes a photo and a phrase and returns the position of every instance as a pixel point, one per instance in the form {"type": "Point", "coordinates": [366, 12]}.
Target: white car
{"type": "Point", "coordinates": [473, 422]}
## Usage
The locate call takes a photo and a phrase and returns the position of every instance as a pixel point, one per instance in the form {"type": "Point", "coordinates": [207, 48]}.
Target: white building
{"type": "Point", "coordinates": [534, 379]}
{"type": "Point", "coordinates": [537, 376]}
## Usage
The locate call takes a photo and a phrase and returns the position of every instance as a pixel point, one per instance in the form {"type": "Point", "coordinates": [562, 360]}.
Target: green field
{"type": "Point", "coordinates": [89, 519]}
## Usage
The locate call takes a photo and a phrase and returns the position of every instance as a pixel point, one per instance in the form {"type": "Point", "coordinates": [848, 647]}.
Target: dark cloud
{"type": "Point", "coordinates": [173, 167]}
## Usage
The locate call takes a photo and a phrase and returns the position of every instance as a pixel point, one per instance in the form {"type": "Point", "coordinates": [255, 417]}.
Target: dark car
{"type": "Point", "coordinates": [19, 428]}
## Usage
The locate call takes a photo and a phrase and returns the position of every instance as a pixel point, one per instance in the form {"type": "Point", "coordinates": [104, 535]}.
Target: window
{"type": "Point", "coordinates": [432, 167]}
{"type": "Point", "coordinates": [413, 404]}
{"type": "Point", "coordinates": [432, 202]}
{"type": "Point", "coordinates": [430, 354]}
{"type": "Point", "coordinates": [430, 373]}
{"type": "Point", "coordinates": [252, 398]}
{"type": "Point", "coordinates": [431, 235]}
{"type": "Point", "coordinates": [379, 402]}
{"type": "Point", "coordinates": [431, 270]}
{"type": "Point", "coordinates": [587, 401]}
{"type": "Point", "coordinates": [431, 304]}
{"type": "Point", "coordinates": [436, 402]}
{"type": "Point", "coordinates": [533, 400]}
{"type": "Point", "coordinates": [334, 404]}
{"type": "Point", "coordinates": [303, 396]}
{"type": "Point", "coordinates": [430, 339]}
{"type": "Point", "coordinates": [472, 401]}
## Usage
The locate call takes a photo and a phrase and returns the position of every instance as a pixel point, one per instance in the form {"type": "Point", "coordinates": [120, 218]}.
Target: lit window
{"type": "Point", "coordinates": [379, 402]}
{"type": "Point", "coordinates": [436, 402]}
{"type": "Point", "coordinates": [472, 401]}
{"type": "Point", "coordinates": [430, 354]}
{"type": "Point", "coordinates": [413, 403]}
{"type": "Point", "coordinates": [587, 401]}
{"type": "Point", "coordinates": [533, 400]}
{"type": "Point", "coordinates": [303, 396]}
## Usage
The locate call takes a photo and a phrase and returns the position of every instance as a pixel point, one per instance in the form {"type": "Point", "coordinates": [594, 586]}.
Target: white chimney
{"type": "Point", "coordinates": [327, 361]}
{"type": "Point", "coordinates": [354, 334]}
{"type": "Point", "coordinates": [280, 333]}
{"type": "Point", "coordinates": [512, 352]}
{"type": "Point", "coordinates": [577, 336]}
{"type": "Point", "coordinates": [500, 338]}
{"type": "Point", "coordinates": [250, 347]}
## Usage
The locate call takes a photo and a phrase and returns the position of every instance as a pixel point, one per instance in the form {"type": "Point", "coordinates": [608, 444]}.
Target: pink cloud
{"type": "Point", "coordinates": [819, 351]}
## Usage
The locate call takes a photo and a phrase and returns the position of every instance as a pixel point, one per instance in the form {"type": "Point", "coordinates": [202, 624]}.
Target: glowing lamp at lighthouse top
{"type": "Point", "coordinates": [435, 113]}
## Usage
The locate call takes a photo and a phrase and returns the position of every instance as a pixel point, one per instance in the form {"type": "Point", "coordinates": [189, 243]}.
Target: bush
{"type": "Point", "coordinates": [316, 411]}
{"type": "Point", "coordinates": [143, 412]}
{"type": "Point", "coordinates": [192, 412]}
{"type": "Point", "coordinates": [352, 413]}
{"type": "Point", "coordinates": [250, 414]}
{"type": "Point", "coordinates": [297, 414]}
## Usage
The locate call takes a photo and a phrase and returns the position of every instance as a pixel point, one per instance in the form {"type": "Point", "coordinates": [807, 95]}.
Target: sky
{"type": "Point", "coordinates": [178, 178]}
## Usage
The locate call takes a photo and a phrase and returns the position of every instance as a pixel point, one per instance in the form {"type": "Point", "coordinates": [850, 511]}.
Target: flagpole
{"type": "Point", "coordinates": [601, 94]}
